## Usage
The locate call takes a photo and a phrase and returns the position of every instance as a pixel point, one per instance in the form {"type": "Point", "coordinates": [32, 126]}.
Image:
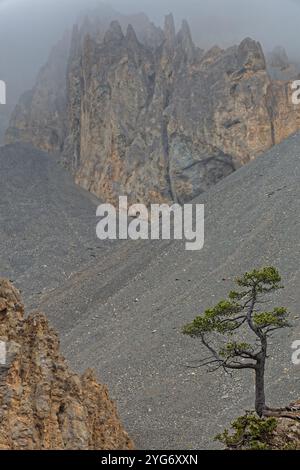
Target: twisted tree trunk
{"type": "Point", "coordinates": [260, 398]}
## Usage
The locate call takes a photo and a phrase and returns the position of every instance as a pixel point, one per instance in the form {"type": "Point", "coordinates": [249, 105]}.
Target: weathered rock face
{"type": "Point", "coordinates": [43, 405]}
{"type": "Point", "coordinates": [137, 133]}
{"type": "Point", "coordinates": [287, 435]}
{"type": "Point", "coordinates": [155, 118]}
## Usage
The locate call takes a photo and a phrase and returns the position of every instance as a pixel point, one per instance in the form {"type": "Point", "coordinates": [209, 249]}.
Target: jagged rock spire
{"type": "Point", "coordinates": [279, 58]}
{"type": "Point", "coordinates": [251, 55]}
{"type": "Point", "coordinates": [185, 38]}
{"type": "Point", "coordinates": [185, 29]}
{"type": "Point", "coordinates": [131, 34]}
{"type": "Point", "coordinates": [169, 29]}
{"type": "Point", "coordinates": [114, 32]}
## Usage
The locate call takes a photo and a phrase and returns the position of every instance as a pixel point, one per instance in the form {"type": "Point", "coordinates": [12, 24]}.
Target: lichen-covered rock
{"type": "Point", "coordinates": [43, 404]}
{"type": "Point", "coordinates": [160, 120]}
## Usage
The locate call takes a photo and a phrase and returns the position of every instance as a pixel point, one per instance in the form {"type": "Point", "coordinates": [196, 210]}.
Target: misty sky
{"type": "Point", "coordinates": [28, 28]}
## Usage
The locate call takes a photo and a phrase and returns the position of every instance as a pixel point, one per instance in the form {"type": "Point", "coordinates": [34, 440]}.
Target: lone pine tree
{"type": "Point", "coordinates": [242, 311]}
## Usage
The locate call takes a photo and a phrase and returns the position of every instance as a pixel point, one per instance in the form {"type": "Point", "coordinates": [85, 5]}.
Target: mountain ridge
{"type": "Point", "coordinates": [153, 117]}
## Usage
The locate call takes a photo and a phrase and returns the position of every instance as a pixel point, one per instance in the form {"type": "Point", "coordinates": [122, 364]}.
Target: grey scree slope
{"type": "Point", "coordinates": [119, 307]}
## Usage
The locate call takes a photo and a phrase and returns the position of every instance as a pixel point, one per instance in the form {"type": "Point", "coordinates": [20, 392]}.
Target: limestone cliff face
{"type": "Point", "coordinates": [156, 118]}
{"type": "Point", "coordinates": [43, 404]}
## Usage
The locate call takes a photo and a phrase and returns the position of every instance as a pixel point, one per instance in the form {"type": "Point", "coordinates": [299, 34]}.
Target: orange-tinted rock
{"type": "Point", "coordinates": [43, 404]}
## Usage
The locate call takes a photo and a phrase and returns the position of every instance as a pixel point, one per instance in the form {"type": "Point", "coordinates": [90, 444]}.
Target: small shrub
{"type": "Point", "coordinates": [250, 432]}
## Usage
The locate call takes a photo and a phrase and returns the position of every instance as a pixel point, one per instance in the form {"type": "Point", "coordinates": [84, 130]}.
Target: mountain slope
{"type": "Point", "coordinates": [48, 225]}
{"type": "Point", "coordinates": [122, 311]}
{"type": "Point", "coordinates": [252, 219]}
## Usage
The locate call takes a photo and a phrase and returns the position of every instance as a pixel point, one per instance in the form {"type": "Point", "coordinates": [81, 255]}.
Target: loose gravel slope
{"type": "Point", "coordinates": [120, 306]}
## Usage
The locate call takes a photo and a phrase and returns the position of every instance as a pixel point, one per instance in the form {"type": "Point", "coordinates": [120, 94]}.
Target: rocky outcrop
{"type": "Point", "coordinates": [280, 67]}
{"type": "Point", "coordinates": [159, 120]}
{"type": "Point", "coordinates": [286, 435]}
{"type": "Point", "coordinates": [43, 404]}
